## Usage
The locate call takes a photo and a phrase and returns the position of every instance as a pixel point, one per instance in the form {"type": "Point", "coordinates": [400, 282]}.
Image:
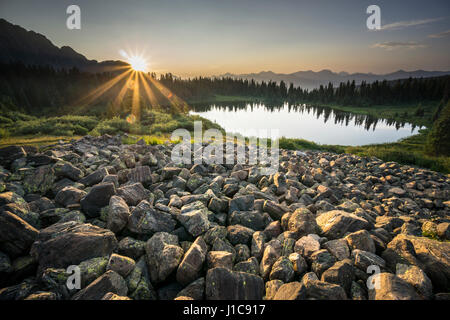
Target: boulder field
{"type": "Point", "coordinates": [126, 222]}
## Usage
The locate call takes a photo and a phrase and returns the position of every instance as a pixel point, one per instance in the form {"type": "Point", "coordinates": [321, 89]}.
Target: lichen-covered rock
{"type": "Point", "coordinates": [163, 255]}
{"type": "Point", "coordinates": [70, 243]}
{"type": "Point", "coordinates": [118, 214]}
{"type": "Point", "coordinates": [144, 219]}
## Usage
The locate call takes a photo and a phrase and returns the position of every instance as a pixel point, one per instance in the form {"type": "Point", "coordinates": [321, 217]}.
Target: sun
{"type": "Point", "coordinates": [138, 63]}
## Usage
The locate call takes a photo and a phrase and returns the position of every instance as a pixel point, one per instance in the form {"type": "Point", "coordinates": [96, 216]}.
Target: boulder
{"type": "Point", "coordinates": [192, 263]}
{"type": "Point", "coordinates": [97, 198]}
{"type": "Point", "coordinates": [336, 223]}
{"type": "Point", "coordinates": [163, 255]}
{"type": "Point", "coordinates": [224, 284]}
{"type": "Point", "coordinates": [16, 235]}
{"type": "Point", "coordinates": [109, 282]}
{"type": "Point", "coordinates": [70, 243]}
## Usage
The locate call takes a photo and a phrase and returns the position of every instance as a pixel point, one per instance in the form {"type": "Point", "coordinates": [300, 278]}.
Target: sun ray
{"type": "Point", "coordinates": [92, 96]}
{"type": "Point", "coordinates": [176, 102]}
{"type": "Point", "coordinates": [150, 94]}
{"type": "Point", "coordinates": [135, 104]}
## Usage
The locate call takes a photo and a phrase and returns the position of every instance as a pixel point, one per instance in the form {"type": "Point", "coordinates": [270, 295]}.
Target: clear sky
{"type": "Point", "coordinates": [211, 37]}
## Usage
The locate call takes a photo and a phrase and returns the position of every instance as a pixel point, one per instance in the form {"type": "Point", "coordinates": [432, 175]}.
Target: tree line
{"type": "Point", "coordinates": [38, 88]}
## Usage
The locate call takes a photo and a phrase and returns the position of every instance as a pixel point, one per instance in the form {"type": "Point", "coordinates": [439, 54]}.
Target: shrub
{"type": "Point", "coordinates": [438, 142]}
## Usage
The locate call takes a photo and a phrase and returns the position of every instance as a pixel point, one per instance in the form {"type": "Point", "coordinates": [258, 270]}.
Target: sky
{"type": "Point", "coordinates": [212, 37]}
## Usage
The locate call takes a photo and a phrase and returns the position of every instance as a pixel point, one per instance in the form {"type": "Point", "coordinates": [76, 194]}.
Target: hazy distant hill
{"type": "Point", "coordinates": [31, 48]}
{"type": "Point", "coordinates": [310, 79]}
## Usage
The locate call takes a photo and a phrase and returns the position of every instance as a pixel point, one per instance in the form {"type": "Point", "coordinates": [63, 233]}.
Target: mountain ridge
{"type": "Point", "coordinates": [312, 79]}
{"type": "Point", "coordinates": [31, 48]}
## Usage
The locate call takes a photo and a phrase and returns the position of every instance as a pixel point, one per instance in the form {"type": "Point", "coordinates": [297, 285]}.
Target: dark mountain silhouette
{"type": "Point", "coordinates": [31, 48]}
{"type": "Point", "coordinates": [311, 79]}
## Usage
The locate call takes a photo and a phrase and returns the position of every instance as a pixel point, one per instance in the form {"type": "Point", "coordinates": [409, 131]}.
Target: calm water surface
{"type": "Point", "coordinates": [319, 124]}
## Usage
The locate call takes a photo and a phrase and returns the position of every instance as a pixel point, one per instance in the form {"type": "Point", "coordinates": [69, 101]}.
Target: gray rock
{"type": "Point", "coordinates": [97, 198]}
{"type": "Point", "coordinates": [109, 282]}
{"type": "Point", "coordinates": [118, 214]}
{"type": "Point", "coordinates": [163, 255]}
{"type": "Point", "coordinates": [192, 263]}
{"type": "Point", "coordinates": [144, 219]}
{"type": "Point", "coordinates": [223, 284]}
{"type": "Point", "coordinates": [334, 224]}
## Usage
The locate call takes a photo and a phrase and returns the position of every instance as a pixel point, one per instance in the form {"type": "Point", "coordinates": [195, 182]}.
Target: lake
{"type": "Point", "coordinates": [319, 124]}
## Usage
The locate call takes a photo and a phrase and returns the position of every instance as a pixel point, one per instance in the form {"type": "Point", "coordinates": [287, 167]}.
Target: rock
{"type": "Point", "coordinates": [392, 287]}
{"type": "Point", "coordinates": [146, 220]}
{"type": "Point", "coordinates": [291, 291]}
{"type": "Point", "coordinates": [91, 269]}
{"type": "Point", "coordinates": [223, 284]}
{"type": "Point", "coordinates": [131, 248]}
{"type": "Point", "coordinates": [270, 256]}
{"type": "Point", "coordinates": [302, 222]}
{"type": "Point", "coordinates": [70, 243]}
{"type": "Point", "coordinates": [274, 210]}
{"type": "Point", "coordinates": [364, 259]}
{"type": "Point", "coordinates": [69, 195]}
{"type": "Point", "coordinates": [39, 180]}
{"type": "Point", "coordinates": [417, 278]}
{"type": "Point", "coordinates": [97, 198]}
{"type": "Point", "coordinates": [67, 170]}
{"type": "Point", "coordinates": [251, 219]}
{"type": "Point", "coordinates": [307, 245]}
{"type": "Point", "coordinates": [94, 178]}
{"type": "Point", "coordinates": [241, 203]}
{"type": "Point", "coordinates": [257, 245]}
{"type": "Point", "coordinates": [321, 261]}
{"type": "Point", "coordinates": [249, 265]}
{"type": "Point", "coordinates": [11, 153]}
{"type": "Point", "coordinates": [443, 230]}
{"type": "Point", "coordinates": [429, 255]}
{"type": "Point", "coordinates": [19, 291]}
{"type": "Point", "coordinates": [341, 273]}
{"type": "Point", "coordinates": [109, 282]}
{"type": "Point", "coordinates": [239, 234]}
{"type": "Point", "coordinates": [141, 174]}
{"type": "Point", "coordinates": [338, 248]}
{"type": "Point", "coordinates": [16, 235]}
{"type": "Point", "coordinates": [133, 193]}
{"type": "Point", "coordinates": [113, 296]}
{"type": "Point", "coordinates": [298, 263]}
{"type": "Point", "coordinates": [334, 224]}
{"type": "Point", "coordinates": [282, 270]}
{"type": "Point", "coordinates": [272, 287]}
{"type": "Point", "coordinates": [120, 264]}
{"type": "Point", "coordinates": [219, 259]}
{"type": "Point", "coordinates": [361, 240]}
{"type": "Point", "coordinates": [163, 255]}
{"type": "Point", "coordinates": [191, 265]}
{"type": "Point", "coordinates": [42, 296]}
{"type": "Point", "coordinates": [195, 290]}
{"type": "Point", "coordinates": [196, 222]}
{"type": "Point", "coordinates": [320, 290]}
{"type": "Point", "coordinates": [118, 214]}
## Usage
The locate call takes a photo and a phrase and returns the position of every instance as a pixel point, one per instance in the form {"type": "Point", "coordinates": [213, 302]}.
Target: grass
{"type": "Point", "coordinates": [32, 140]}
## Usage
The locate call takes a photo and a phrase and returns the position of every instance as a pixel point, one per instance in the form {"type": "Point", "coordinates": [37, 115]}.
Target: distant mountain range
{"type": "Point", "coordinates": [311, 79]}
{"type": "Point", "coordinates": [31, 48]}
